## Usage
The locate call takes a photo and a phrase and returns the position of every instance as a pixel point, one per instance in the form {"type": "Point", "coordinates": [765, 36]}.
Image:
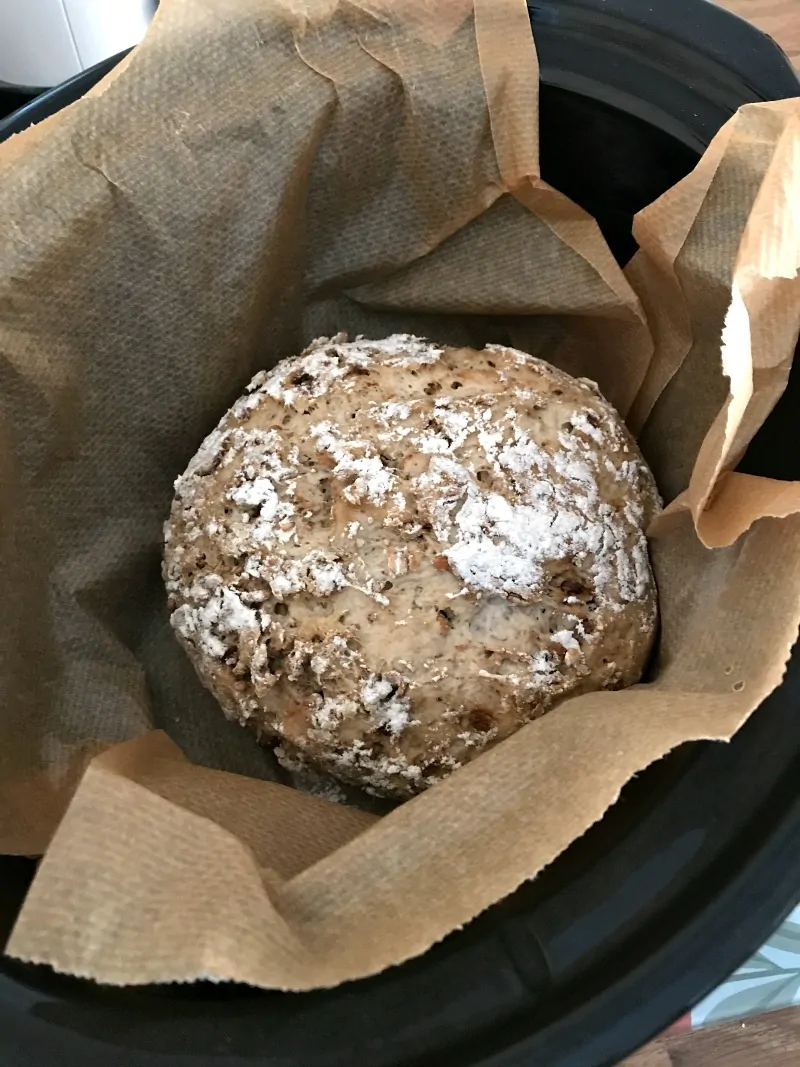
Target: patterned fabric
{"type": "Point", "coordinates": [770, 979]}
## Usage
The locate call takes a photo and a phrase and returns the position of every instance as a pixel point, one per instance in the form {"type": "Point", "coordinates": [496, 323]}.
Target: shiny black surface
{"type": "Point", "coordinates": [696, 863]}
{"type": "Point", "coordinates": [685, 66]}
{"type": "Point", "coordinates": [30, 110]}
{"type": "Point", "coordinates": [680, 68]}
{"type": "Point", "coordinates": [11, 100]}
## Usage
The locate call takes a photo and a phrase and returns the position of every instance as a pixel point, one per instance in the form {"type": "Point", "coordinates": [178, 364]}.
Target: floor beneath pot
{"type": "Point", "coordinates": [763, 1041]}
{"type": "Point", "coordinates": [779, 18]}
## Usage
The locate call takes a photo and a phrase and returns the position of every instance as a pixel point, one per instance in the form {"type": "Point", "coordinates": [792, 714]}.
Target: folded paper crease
{"type": "Point", "coordinates": [254, 175]}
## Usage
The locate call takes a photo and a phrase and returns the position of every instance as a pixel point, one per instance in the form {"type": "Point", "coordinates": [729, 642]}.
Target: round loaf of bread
{"type": "Point", "coordinates": [390, 555]}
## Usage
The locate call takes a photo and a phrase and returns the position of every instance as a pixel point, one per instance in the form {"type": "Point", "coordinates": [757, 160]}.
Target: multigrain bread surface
{"type": "Point", "coordinates": [390, 555]}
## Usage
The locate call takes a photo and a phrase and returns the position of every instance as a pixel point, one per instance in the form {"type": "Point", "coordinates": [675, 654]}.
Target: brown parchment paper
{"type": "Point", "coordinates": [257, 174]}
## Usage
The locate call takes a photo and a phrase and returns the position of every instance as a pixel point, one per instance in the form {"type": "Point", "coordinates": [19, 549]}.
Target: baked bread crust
{"type": "Point", "coordinates": [390, 555]}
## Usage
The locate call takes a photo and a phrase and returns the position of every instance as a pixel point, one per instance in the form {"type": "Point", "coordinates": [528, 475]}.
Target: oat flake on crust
{"type": "Point", "coordinates": [391, 554]}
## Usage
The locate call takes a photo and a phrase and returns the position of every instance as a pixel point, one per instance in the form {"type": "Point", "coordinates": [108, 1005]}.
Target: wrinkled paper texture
{"type": "Point", "coordinates": [257, 174]}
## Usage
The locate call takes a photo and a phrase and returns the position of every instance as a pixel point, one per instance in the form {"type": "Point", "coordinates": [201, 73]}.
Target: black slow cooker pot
{"type": "Point", "coordinates": [693, 867]}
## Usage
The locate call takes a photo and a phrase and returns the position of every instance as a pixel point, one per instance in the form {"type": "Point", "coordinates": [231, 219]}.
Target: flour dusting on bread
{"type": "Point", "coordinates": [391, 554]}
